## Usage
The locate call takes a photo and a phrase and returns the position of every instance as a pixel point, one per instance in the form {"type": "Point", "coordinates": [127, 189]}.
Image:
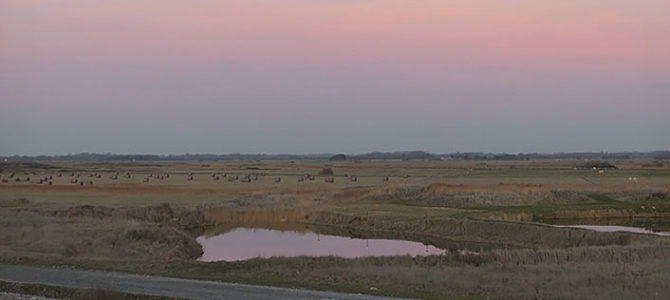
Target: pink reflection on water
{"type": "Point", "coordinates": [613, 228]}
{"type": "Point", "coordinates": [247, 243]}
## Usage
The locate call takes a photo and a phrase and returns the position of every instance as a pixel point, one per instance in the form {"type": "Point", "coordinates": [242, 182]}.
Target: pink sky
{"type": "Point", "coordinates": [617, 35]}
{"type": "Point", "coordinates": [269, 67]}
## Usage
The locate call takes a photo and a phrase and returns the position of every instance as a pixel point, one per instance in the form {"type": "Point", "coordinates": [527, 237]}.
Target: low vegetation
{"type": "Point", "coordinates": [72, 293]}
{"type": "Point", "coordinates": [493, 217]}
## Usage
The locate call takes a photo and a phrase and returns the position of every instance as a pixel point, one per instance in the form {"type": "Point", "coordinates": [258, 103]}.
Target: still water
{"type": "Point", "coordinates": [246, 243]}
{"type": "Point", "coordinates": [614, 228]}
{"type": "Point", "coordinates": [657, 226]}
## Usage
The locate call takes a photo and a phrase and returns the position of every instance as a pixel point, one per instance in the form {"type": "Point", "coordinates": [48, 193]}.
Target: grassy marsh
{"type": "Point", "coordinates": [496, 210]}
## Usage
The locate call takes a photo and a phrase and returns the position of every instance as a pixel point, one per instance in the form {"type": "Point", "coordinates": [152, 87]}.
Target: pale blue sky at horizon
{"type": "Point", "coordinates": [303, 76]}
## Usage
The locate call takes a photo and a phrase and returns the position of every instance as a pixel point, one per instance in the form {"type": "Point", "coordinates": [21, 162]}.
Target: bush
{"type": "Point", "coordinates": [326, 171]}
{"type": "Point", "coordinates": [598, 165]}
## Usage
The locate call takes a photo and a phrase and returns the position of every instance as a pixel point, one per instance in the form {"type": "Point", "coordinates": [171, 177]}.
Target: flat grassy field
{"type": "Point", "coordinates": [494, 216]}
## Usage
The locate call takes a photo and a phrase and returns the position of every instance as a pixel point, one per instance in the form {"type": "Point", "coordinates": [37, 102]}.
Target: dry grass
{"type": "Point", "coordinates": [485, 207]}
{"type": "Point", "coordinates": [97, 232]}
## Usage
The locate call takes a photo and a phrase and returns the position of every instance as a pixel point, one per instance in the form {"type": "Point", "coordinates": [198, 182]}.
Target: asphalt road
{"type": "Point", "coordinates": [162, 286]}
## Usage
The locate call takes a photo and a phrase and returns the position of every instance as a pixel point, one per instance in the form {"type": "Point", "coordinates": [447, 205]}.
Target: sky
{"type": "Point", "coordinates": [331, 76]}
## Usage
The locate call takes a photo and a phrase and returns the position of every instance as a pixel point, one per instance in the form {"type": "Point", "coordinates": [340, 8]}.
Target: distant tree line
{"type": "Point", "coordinates": [404, 155]}
{"type": "Point", "coordinates": [659, 155]}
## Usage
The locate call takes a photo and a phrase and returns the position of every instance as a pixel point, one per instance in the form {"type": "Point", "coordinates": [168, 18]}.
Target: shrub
{"type": "Point", "coordinates": [326, 171]}
{"type": "Point", "coordinates": [598, 165]}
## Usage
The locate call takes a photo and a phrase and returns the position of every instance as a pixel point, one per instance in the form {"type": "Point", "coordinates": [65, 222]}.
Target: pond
{"type": "Point", "coordinates": [246, 243]}
{"type": "Point", "coordinates": [614, 228]}
{"type": "Point", "coordinates": [657, 226]}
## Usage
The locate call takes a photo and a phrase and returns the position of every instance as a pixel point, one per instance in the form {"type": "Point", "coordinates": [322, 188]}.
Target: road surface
{"type": "Point", "coordinates": [162, 286]}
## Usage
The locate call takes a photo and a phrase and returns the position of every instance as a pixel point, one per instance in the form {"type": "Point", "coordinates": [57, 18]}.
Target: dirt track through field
{"type": "Point", "coordinates": [161, 286]}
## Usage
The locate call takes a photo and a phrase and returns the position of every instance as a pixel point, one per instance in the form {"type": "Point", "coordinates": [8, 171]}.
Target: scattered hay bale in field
{"type": "Point", "coordinates": [329, 180]}
{"type": "Point", "coordinates": [599, 165]}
